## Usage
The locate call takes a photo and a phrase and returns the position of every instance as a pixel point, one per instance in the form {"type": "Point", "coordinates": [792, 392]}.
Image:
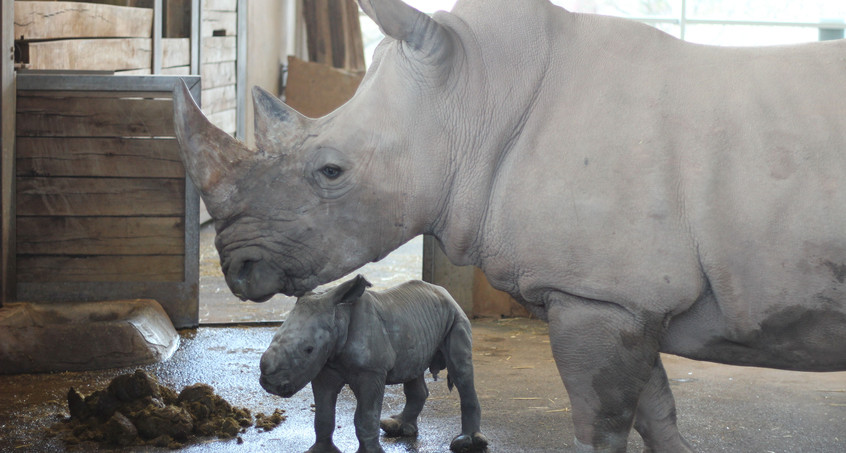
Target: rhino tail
{"type": "Point", "coordinates": [437, 364]}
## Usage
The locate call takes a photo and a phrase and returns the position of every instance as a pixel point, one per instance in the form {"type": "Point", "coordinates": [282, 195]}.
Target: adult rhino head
{"type": "Point", "coordinates": [319, 198]}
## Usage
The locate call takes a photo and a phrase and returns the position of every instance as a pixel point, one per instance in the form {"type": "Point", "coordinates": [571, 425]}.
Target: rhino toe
{"type": "Point", "coordinates": [467, 444]}
{"type": "Point", "coordinates": [395, 427]}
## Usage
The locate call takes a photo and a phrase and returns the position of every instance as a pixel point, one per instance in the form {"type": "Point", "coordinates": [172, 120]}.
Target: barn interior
{"type": "Point", "coordinates": [107, 262]}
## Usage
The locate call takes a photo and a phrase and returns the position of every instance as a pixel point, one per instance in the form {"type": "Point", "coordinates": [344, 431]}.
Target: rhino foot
{"type": "Point", "coordinates": [395, 427]}
{"type": "Point", "coordinates": [324, 447]}
{"type": "Point", "coordinates": [466, 444]}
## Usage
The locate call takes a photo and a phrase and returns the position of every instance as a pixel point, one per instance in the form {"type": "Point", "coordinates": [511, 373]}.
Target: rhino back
{"type": "Point", "coordinates": [662, 172]}
{"type": "Point", "coordinates": [417, 317]}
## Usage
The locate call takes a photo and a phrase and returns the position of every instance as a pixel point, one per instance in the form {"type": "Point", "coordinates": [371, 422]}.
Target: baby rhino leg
{"type": "Point", "coordinates": [404, 424]}
{"type": "Point", "coordinates": [458, 348]}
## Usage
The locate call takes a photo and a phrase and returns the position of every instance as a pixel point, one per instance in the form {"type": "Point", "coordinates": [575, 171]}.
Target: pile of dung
{"type": "Point", "coordinates": [136, 410]}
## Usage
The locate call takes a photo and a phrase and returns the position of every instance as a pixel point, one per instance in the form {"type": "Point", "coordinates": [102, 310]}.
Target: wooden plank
{"type": "Point", "coordinates": [100, 197]}
{"type": "Point", "coordinates": [100, 235]}
{"type": "Point", "coordinates": [316, 89]}
{"type": "Point", "coordinates": [218, 74]}
{"type": "Point", "coordinates": [55, 20]}
{"type": "Point", "coordinates": [43, 116]}
{"type": "Point", "coordinates": [91, 54]}
{"type": "Point", "coordinates": [102, 157]}
{"type": "Point", "coordinates": [177, 19]}
{"type": "Point", "coordinates": [176, 52]}
{"type": "Point", "coordinates": [226, 120]}
{"type": "Point", "coordinates": [219, 99]}
{"type": "Point", "coordinates": [219, 5]}
{"type": "Point", "coordinates": [177, 70]}
{"type": "Point", "coordinates": [219, 23]}
{"type": "Point", "coordinates": [156, 268]}
{"type": "Point", "coordinates": [7, 155]}
{"type": "Point", "coordinates": [219, 48]}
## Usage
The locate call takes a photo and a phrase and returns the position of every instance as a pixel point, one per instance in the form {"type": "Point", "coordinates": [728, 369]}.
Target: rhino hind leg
{"type": "Point", "coordinates": [404, 424]}
{"type": "Point", "coordinates": [458, 352]}
{"type": "Point", "coordinates": [655, 420]}
{"type": "Point", "coordinates": [606, 357]}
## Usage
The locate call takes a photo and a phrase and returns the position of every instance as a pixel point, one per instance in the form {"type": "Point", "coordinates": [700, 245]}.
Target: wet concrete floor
{"type": "Point", "coordinates": [525, 408]}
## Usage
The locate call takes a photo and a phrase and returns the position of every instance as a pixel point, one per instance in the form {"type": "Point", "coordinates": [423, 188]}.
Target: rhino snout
{"type": "Point", "coordinates": [274, 378]}
{"type": "Point", "coordinates": [284, 389]}
{"type": "Point", "coordinates": [251, 279]}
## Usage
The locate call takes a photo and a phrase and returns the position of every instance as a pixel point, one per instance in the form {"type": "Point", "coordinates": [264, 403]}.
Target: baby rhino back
{"type": "Point", "coordinates": [418, 319]}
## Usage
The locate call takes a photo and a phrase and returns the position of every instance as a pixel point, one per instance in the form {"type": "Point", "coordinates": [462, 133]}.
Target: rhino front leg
{"type": "Point", "coordinates": [656, 416]}
{"type": "Point", "coordinates": [325, 388]}
{"type": "Point", "coordinates": [404, 424]}
{"type": "Point", "coordinates": [458, 352]}
{"type": "Point", "coordinates": [605, 355]}
{"type": "Point", "coordinates": [369, 390]}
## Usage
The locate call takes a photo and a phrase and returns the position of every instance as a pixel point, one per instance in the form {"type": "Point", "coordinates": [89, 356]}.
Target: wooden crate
{"type": "Point", "coordinates": [104, 210]}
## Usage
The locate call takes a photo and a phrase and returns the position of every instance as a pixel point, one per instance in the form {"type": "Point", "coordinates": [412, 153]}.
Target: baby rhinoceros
{"type": "Point", "coordinates": [368, 339]}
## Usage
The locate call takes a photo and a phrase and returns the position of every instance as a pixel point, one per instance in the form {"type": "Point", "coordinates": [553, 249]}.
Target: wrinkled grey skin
{"type": "Point", "coordinates": [642, 194]}
{"type": "Point", "coordinates": [368, 339]}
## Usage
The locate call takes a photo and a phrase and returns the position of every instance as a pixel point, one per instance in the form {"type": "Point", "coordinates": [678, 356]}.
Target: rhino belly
{"type": "Point", "coordinates": [792, 338]}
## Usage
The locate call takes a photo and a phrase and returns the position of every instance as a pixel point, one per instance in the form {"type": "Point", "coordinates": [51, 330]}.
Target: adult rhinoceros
{"type": "Point", "coordinates": [642, 194]}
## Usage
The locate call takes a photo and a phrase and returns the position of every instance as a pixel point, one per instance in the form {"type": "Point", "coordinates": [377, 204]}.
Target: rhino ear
{"type": "Point", "coordinates": [404, 23]}
{"type": "Point", "coordinates": [350, 291]}
{"type": "Point", "coordinates": [208, 153]}
{"type": "Point", "coordinates": [277, 126]}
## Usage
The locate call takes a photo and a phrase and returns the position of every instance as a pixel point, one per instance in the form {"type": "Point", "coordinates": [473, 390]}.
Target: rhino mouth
{"type": "Point", "coordinates": [285, 389]}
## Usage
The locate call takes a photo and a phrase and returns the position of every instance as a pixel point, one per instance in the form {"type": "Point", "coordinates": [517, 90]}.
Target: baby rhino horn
{"type": "Point", "coordinates": [209, 154]}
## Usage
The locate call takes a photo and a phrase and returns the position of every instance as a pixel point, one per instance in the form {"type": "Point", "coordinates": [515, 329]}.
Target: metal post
{"type": "Point", "coordinates": [196, 12]}
{"type": "Point", "coordinates": [157, 37]}
{"type": "Point", "coordinates": [8, 95]}
{"type": "Point", "coordinates": [683, 20]}
{"type": "Point", "coordinates": [241, 71]}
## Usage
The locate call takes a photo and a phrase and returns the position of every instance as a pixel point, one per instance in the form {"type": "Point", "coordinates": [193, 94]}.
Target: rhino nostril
{"type": "Point", "coordinates": [245, 270]}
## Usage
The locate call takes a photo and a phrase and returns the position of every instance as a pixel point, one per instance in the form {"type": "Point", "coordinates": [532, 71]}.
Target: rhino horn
{"type": "Point", "coordinates": [404, 23]}
{"type": "Point", "coordinates": [209, 154]}
{"type": "Point", "coordinates": [277, 126]}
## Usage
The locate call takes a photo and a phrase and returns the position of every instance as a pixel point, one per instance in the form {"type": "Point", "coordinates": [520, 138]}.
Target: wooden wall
{"type": "Point", "coordinates": [101, 197]}
{"type": "Point", "coordinates": [82, 36]}
{"type": "Point", "coordinates": [218, 66]}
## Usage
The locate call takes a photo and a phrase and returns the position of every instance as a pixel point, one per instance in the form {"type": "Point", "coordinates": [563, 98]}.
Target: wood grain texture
{"type": "Point", "coordinates": [57, 236]}
{"type": "Point", "coordinates": [217, 49]}
{"type": "Point", "coordinates": [103, 157]}
{"type": "Point", "coordinates": [100, 197]}
{"type": "Point", "coordinates": [155, 268]}
{"type": "Point", "coordinates": [106, 54]}
{"type": "Point", "coordinates": [53, 20]}
{"type": "Point", "coordinates": [217, 74]}
{"type": "Point", "coordinates": [44, 116]}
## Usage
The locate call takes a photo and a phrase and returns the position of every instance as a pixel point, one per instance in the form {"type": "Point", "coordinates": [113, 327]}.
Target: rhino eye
{"type": "Point", "coordinates": [309, 349]}
{"type": "Point", "coordinates": [331, 171]}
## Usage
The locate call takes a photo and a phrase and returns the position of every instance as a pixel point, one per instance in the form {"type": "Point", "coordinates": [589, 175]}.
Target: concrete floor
{"type": "Point", "coordinates": [525, 408]}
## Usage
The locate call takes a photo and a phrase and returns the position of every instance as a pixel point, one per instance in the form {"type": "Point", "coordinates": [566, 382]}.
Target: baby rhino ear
{"type": "Point", "coordinates": [350, 291]}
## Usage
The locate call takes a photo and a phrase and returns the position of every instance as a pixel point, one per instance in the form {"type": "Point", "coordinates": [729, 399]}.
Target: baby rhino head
{"type": "Point", "coordinates": [308, 338]}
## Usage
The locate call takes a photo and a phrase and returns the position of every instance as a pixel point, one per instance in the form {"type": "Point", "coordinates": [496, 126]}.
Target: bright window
{"type": "Point", "coordinates": [718, 22]}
